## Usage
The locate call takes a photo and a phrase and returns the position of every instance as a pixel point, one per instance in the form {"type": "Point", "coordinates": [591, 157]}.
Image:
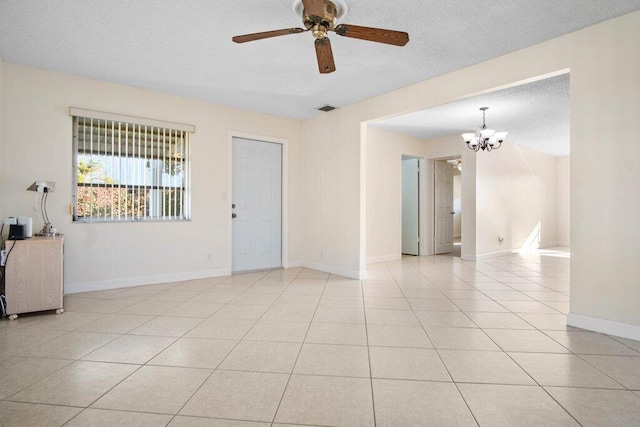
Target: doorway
{"type": "Point", "coordinates": [457, 206]}
{"type": "Point", "coordinates": [410, 206]}
{"type": "Point", "coordinates": [256, 237]}
{"type": "Point", "coordinates": [447, 202]}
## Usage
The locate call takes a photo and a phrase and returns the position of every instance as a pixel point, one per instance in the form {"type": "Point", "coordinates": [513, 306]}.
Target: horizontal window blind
{"type": "Point", "coordinates": [129, 171]}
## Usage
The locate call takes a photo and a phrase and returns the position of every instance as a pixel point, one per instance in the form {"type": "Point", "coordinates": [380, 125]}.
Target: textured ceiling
{"type": "Point", "coordinates": [184, 47]}
{"type": "Point", "coordinates": [536, 115]}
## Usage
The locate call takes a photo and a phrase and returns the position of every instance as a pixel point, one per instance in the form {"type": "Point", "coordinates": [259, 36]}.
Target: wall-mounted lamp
{"type": "Point", "coordinates": [44, 187]}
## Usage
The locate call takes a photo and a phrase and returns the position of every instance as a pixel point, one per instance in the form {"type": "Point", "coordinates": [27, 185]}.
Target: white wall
{"type": "Point", "coordinates": [2, 209]}
{"type": "Point", "coordinates": [517, 198]}
{"type": "Point", "coordinates": [605, 104]}
{"type": "Point", "coordinates": [384, 151]}
{"type": "Point", "coordinates": [515, 189]}
{"type": "Point", "coordinates": [564, 221]}
{"type": "Point", "coordinates": [384, 196]}
{"type": "Point", "coordinates": [37, 144]}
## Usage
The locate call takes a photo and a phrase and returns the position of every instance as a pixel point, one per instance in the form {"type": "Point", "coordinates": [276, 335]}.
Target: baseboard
{"type": "Point", "coordinates": [180, 277]}
{"type": "Point", "coordinates": [295, 264]}
{"type": "Point", "coordinates": [384, 258]}
{"type": "Point", "coordinates": [547, 245]}
{"type": "Point", "coordinates": [541, 246]}
{"type": "Point", "coordinates": [352, 274]}
{"type": "Point", "coordinates": [141, 281]}
{"type": "Point", "coordinates": [457, 235]}
{"type": "Point", "coordinates": [329, 269]}
{"type": "Point", "coordinates": [484, 257]}
{"type": "Point", "coordinates": [610, 327]}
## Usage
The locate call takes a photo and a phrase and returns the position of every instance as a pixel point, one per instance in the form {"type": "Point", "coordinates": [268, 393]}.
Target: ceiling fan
{"type": "Point", "coordinates": [320, 17]}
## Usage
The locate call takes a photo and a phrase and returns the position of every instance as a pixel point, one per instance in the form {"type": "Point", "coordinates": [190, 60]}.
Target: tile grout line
{"type": "Point", "coordinates": [510, 357]}
{"type": "Point", "coordinates": [442, 361]}
{"type": "Point", "coordinates": [232, 349]}
{"type": "Point", "coordinates": [284, 391]}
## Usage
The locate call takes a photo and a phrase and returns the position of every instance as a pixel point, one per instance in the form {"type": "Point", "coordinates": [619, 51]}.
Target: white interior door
{"type": "Point", "coordinates": [256, 205]}
{"type": "Point", "coordinates": [443, 202]}
{"type": "Point", "coordinates": [410, 207]}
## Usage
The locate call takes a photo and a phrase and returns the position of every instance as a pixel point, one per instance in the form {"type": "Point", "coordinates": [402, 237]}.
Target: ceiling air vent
{"type": "Point", "coordinates": [327, 108]}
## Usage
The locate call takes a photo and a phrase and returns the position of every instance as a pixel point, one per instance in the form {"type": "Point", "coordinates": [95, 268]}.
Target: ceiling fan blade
{"type": "Point", "coordinates": [396, 38]}
{"type": "Point", "coordinates": [324, 53]}
{"type": "Point", "coordinates": [265, 35]}
{"type": "Point", "coordinates": [314, 7]}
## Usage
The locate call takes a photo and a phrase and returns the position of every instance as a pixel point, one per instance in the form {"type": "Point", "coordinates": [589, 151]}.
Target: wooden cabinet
{"type": "Point", "coordinates": [33, 275]}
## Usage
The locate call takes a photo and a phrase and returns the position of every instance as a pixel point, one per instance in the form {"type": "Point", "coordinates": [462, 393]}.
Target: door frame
{"type": "Point", "coordinates": [423, 247]}
{"type": "Point", "coordinates": [285, 193]}
{"type": "Point", "coordinates": [445, 164]}
{"type": "Point", "coordinates": [432, 194]}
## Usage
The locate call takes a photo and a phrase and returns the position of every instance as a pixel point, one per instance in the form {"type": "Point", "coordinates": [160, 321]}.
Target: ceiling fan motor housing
{"type": "Point", "coordinates": [319, 25]}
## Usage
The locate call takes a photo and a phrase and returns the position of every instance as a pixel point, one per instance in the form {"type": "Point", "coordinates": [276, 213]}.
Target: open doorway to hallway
{"type": "Point", "coordinates": [515, 198]}
{"type": "Point", "coordinates": [412, 210]}
{"type": "Point", "coordinates": [457, 206]}
{"type": "Point", "coordinates": [447, 203]}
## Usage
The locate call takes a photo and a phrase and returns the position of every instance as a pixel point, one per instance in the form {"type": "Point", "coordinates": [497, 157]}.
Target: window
{"type": "Point", "coordinates": [129, 169]}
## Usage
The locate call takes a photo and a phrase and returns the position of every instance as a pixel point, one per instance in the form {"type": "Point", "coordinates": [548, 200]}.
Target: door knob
{"type": "Point", "coordinates": [453, 213]}
{"type": "Point", "coordinates": [233, 215]}
{"type": "Point", "coordinates": [233, 206]}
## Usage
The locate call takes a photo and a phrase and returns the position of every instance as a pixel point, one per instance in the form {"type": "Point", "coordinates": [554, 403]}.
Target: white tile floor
{"type": "Point", "coordinates": [423, 341]}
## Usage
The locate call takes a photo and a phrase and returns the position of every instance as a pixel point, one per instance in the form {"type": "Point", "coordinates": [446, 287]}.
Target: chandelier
{"type": "Point", "coordinates": [485, 139]}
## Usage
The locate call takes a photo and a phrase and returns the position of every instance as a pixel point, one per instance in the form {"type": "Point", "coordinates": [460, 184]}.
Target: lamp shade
{"type": "Point", "coordinates": [487, 133]}
{"type": "Point", "coordinates": [500, 136]}
{"type": "Point", "coordinates": [467, 137]}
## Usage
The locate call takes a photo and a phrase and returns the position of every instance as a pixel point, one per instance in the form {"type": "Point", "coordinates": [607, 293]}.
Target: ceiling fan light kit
{"type": "Point", "coordinates": [320, 17]}
{"type": "Point", "coordinates": [484, 138]}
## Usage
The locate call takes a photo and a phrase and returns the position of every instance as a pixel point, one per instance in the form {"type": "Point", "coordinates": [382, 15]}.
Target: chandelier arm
{"type": "Point", "coordinates": [484, 139]}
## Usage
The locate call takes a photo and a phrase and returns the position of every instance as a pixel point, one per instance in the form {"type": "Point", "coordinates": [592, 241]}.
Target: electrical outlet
{"type": "Point", "coordinates": [3, 258]}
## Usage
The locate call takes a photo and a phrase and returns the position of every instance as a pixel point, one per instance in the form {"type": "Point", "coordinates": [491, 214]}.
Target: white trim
{"type": "Point", "coordinates": [544, 245]}
{"type": "Point", "coordinates": [91, 114]}
{"type": "Point", "coordinates": [604, 326]}
{"type": "Point", "coordinates": [285, 192]}
{"type": "Point", "coordinates": [490, 255]}
{"type": "Point", "coordinates": [141, 281]}
{"type": "Point", "coordinates": [362, 240]}
{"type": "Point", "coordinates": [384, 258]}
{"type": "Point", "coordinates": [351, 274]}
{"type": "Point", "coordinates": [540, 246]}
